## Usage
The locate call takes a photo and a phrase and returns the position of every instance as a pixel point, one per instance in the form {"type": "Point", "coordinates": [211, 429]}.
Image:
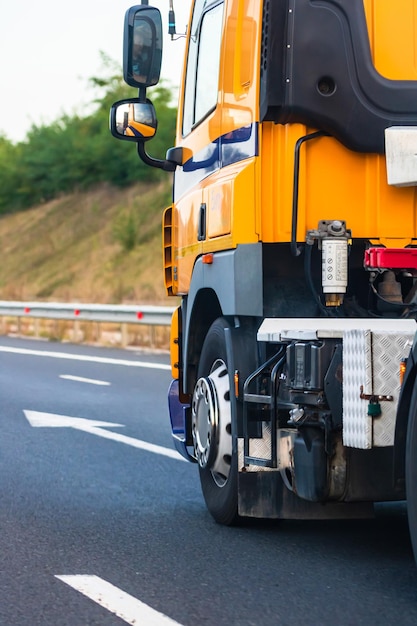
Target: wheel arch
{"type": "Point", "coordinates": [230, 286]}
{"type": "Point", "coordinates": [406, 404]}
{"type": "Point", "coordinates": [205, 310]}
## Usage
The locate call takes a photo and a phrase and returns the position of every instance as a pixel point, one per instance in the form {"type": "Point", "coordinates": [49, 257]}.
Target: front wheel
{"type": "Point", "coordinates": [212, 428]}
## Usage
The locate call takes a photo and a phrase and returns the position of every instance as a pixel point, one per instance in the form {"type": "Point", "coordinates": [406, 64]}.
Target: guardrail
{"type": "Point", "coordinates": [121, 315]}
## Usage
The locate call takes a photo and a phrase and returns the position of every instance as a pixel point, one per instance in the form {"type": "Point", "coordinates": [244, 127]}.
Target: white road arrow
{"type": "Point", "coordinates": [52, 420]}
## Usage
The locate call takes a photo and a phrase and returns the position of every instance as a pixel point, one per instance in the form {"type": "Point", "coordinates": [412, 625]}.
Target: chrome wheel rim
{"type": "Point", "coordinates": [212, 422]}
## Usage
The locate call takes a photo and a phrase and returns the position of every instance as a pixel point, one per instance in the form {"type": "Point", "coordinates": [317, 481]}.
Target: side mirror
{"type": "Point", "coordinates": [142, 46]}
{"type": "Point", "coordinates": [133, 120]}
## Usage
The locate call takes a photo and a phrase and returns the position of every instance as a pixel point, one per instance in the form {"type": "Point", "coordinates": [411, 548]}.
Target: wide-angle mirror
{"type": "Point", "coordinates": [133, 120]}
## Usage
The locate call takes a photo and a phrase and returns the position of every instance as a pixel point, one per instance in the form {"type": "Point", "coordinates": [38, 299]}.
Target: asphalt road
{"type": "Point", "coordinates": [86, 518]}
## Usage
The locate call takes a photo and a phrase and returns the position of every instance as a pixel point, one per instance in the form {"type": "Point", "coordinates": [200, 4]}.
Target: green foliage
{"type": "Point", "coordinates": [139, 222]}
{"type": "Point", "coordinates": [126, 230]}
{"type": "Point", "coordinates": [76, 153]}
{"type": "Point", "coordinates": [10, 178]}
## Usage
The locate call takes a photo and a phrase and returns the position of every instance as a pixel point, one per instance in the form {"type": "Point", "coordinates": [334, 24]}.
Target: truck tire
{"type": "Point", "coordinates": [411, 471]}
{"type": "Point", "coordinates": [212, 428]}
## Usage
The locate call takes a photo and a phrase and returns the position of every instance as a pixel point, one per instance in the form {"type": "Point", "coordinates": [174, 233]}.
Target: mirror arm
{"type": "Point", "coordinates": [163, 164]}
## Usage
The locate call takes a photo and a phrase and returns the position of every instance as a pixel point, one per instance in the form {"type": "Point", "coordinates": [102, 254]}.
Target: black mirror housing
{"type": "Point", "coordinates": [142, 46]}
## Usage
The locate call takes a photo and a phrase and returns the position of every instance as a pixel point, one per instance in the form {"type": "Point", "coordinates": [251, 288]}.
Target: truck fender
{"type": "Point", "coordinates": [407, 400]}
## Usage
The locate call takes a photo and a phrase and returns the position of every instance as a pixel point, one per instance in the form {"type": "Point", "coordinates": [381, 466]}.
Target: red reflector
{"type": "Point", "coordinates": [77, 312]}
{"type": "Point", "coordinates": [27, 309]}
{"type": "Point", "coordinates": [207, 259]}
{"type": "Point", "coordinates": [391, 258]}
{"type": "Point", "coordinates": [139, 315]}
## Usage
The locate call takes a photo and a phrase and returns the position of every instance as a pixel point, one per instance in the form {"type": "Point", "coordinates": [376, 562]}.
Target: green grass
{"type": "Point", "coordinates": [100, 246]}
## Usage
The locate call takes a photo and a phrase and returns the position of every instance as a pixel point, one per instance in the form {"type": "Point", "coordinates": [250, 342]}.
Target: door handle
{"type": "Point", "coordinates": [202, 222]}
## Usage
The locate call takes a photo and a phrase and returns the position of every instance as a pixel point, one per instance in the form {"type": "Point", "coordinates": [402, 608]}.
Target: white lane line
{"type": "Point", "coordinates": [122, 604]}
{"type": "Point", "coordinates": [79, 379]}
{"type": "Point", "coordinates": [91, 359]}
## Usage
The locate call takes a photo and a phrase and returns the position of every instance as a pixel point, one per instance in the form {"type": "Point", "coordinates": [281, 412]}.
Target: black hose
{"type": "Point", "coordinates": [295, 250]}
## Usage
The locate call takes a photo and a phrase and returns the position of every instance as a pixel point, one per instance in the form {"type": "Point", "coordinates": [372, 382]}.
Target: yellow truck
{"type": "Point", "coordinates": [292, 244]}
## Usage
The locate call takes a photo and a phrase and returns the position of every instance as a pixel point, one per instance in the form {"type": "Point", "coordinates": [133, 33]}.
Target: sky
{"type": "Point", "coordinates": [50, 49]}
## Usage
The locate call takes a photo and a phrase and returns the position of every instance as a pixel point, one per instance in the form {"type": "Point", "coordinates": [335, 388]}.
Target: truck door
{"type": "Point", "coordinates": [198, 132]}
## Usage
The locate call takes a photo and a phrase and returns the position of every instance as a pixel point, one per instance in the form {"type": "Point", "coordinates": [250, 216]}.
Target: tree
{"type": "Point", "coordinates": [9, 175]}
{"type": "Point", "coordinates": [76, 152]}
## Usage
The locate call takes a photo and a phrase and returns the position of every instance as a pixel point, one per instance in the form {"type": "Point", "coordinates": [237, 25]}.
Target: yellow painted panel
{"type": "Point", "coordinates": [219, 209]}
{"type": "Point", "coordinates": [175, 343]}
{"type": "Point", "coordinates": [231, 210]}
{"type": "Point", "coordinates": [241, 65]}
{"type": "Point", "coordinates": [236, 184]}
{"type": "Point", "coordinates": [187, 246]}
{"type": "Point", "coordinates": [240, 44]}
{"type": "Point", "coordinates": [334, 183]}
{"type": "Point", "coordinates": [392, 27]}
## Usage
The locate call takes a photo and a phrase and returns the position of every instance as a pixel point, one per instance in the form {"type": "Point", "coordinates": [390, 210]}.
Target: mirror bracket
{"type": "Point", "coordinates": [163, 164]}
{"type": "Point", "coordinates": [175, 155]}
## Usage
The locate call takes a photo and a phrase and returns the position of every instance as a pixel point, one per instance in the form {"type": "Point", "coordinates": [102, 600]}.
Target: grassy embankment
{"type": "Point", "coordinates": [101, 246]}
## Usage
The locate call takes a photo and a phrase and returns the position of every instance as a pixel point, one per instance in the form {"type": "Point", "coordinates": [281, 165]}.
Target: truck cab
{"type": "Point", "coordinates": [292, 243]}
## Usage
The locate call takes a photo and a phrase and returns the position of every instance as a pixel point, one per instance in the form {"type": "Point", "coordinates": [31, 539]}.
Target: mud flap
{"type": "Point", "coordinates": [264, 495]}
